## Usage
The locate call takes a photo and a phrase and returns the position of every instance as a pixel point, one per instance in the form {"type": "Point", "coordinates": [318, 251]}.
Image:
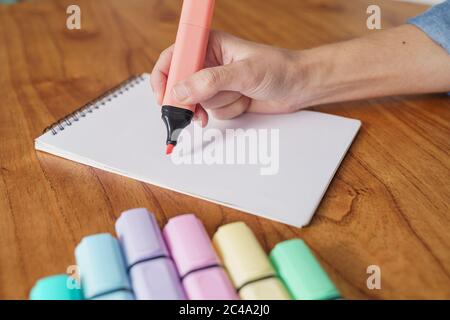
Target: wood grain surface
{"type": "Point", "coordinates": [388, 204]}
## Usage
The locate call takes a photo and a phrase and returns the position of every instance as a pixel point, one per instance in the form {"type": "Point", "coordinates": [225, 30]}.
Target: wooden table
{"type": "Point", "coordinates": [388, 204]}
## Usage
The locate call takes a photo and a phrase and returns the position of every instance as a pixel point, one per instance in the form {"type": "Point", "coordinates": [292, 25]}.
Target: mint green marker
{"type": "Point", "coordinates": [301, 273]}
{"type": "Point", "coordinates": [55, 288]}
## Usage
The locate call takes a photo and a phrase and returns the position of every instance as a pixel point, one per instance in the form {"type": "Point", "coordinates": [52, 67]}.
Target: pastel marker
{"type": "Point", "coordinates": [198, 264]}
{"type": "Point", "coordinates": [247, 263]}
{"type": "Point", "coordinates": [58, 287]}
{"type": "Point", "coordinates": [300, 271]}
{"type": "Point", "coordinates": [188, 58]}
{"type": "Point", "coordinates": [102, 268]}
{"type": "Point", "coordinates": [152, 271]}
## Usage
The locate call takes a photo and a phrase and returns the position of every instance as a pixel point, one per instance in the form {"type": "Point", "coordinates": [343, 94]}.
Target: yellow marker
{"type": "Point", "coordinates": [247, 263]}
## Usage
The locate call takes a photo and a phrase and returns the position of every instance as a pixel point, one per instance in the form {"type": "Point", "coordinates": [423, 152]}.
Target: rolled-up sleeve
{"type": "Point", "coordinates": [436, 24]}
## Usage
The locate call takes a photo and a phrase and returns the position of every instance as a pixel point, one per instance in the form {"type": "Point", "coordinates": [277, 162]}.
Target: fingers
{"type": "Point", "coordinates": [232, 110]}
{"type": "Point", "coordinates": [221, 99]}
{"type": "Point", "coordinates": [218, 88]}
{"type": "Point", "coordinates": [160, 73]}
{"type": "Point", "coordinates": [201, 116]}
{"type": "Point", "coordinates": [207, 83]}
{"type": "Point", "coordinates": [222, 111]}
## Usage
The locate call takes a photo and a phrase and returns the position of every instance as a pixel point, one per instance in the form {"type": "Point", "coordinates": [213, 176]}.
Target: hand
{"type": "Point", "coordinates": [240, 76]}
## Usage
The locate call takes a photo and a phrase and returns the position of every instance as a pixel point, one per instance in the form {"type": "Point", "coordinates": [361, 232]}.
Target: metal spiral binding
{"type": "Point", "coordinates": [93, 105]}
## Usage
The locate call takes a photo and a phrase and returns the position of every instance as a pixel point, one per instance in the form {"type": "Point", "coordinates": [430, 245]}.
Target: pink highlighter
{"type": "Point", "coordinates": [198, 265]}
{"type": "Point", "coordinates": [188, 58]}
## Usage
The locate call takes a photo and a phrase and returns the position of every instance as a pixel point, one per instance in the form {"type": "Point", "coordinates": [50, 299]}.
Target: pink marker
{"type": "Point", "coordinates": [202, 275]}
{"type": "Point", "coordinates": [188, 58]}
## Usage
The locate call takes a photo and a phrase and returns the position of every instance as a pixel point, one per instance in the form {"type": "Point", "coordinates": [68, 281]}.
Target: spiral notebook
{"type": "Point", "coordinates": [274, 166]}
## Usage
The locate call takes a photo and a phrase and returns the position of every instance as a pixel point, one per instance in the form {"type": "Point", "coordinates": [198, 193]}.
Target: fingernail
{"type": "Point", "coordinates": [180, 92]}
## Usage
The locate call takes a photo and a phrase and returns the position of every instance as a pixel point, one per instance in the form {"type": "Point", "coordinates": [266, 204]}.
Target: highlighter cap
{"type": "Point", "coordinates": [189, 244]}
{"type": "Point", "coordinates": [102, 267]}
{"type": "Point", "coordinates": [242, 254]}
{"type": "Point", "coordinates": [300, 271]}
{"type": "Point", "coordinates": [140, 236]}
{"type": "Point", "coordinates": [197, 13]}
{"type": "Point", "coordinates": [55, 288]}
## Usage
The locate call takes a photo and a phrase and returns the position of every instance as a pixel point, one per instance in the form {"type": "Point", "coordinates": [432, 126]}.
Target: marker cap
{"type": "Point", "coordinates": [55, 288]}
{"type": "Point", "coordinates": [140, 236]}
{"type": "Point", "coordinates": [189, 244]}
{"type": "Point", "coordinates": [153, 273]}
{"type": "Point", "coordinates": [242, 254]}
{"type": "Point", "coordinates": [301, 272]}
{"type": "Point", "coordinates": [102, 267]}
{"type": "Point", "coordinates": [197, 13]}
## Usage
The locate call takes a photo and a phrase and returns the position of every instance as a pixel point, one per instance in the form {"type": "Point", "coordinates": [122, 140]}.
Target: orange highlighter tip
{"type": "Point", "coordinates": [169, 149]}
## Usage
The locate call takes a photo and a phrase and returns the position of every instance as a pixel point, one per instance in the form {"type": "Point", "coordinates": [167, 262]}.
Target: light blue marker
{"type": "Point", "coordinates": [102, 269]}
{"type": "Point", "coordinates": [56, 287]}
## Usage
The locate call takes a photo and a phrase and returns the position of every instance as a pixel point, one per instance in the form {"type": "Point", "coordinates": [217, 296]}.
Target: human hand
{"type": "Point", "coordinates": [239, 76]}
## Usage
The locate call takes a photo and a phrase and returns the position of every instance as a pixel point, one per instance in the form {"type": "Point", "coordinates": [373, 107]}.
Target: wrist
{"type": "Point", "coordinates": [338, 72]}
{"type": "Point", "coordinates": [312, 76]}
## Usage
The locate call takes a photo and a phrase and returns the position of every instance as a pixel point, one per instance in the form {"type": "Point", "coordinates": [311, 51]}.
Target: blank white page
{"type": "Point", "coordinates": [126, 136]}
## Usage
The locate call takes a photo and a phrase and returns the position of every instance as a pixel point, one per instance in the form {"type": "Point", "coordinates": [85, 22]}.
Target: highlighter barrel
{"type": "Point", "coordinates": [102, 268]}
{"type": "Point", "coordinates": [248, 265]}
{"type": "Point", "coordinates": [55, 288]}
{"type": "Point", "coordinates": [188, 58]}
{"type": "Point", "coordinates": [153, 273]}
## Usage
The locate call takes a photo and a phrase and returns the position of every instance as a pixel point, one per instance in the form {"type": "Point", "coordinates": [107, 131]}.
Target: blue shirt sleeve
{"type": "Point", "coordinates": [436, 24]}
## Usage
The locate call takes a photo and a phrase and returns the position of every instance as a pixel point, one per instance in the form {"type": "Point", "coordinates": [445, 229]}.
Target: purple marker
{"type": "Point", "coordinates": [152, 271]}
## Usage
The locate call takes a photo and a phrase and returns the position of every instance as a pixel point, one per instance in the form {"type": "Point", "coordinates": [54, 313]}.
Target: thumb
{"type": "Point", "coordinates": [206, 83]}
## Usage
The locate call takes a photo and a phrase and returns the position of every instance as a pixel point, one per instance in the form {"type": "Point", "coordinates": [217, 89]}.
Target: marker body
{"type": "Point", "coordinates": [202, 276]}
{"type": "Point", "coordinates": [152, 271]}
{"type": "Point", "coordinates": [302, 274]}
{"type": "Point", "coordinates": [247, 263]}
{"type": "Point", "coordinates": [102, 268]}
{"type": "Point", "coordinates": [188, 58]}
